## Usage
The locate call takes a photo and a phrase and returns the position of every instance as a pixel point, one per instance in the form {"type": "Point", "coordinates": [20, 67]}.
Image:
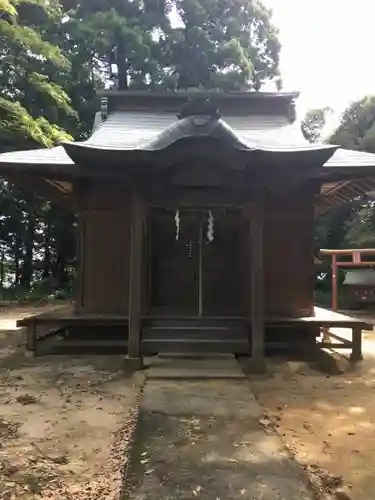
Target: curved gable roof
{"type": "Point", "coordinates": [143, 129]}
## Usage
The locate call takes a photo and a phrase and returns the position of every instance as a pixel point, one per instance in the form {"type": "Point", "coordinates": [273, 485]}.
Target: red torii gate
{"type": "Point", "coordinates": [357, 261]}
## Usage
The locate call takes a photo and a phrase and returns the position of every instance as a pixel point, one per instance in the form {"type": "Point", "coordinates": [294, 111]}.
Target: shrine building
{"type": "Point", "coordinates": [195, 222]}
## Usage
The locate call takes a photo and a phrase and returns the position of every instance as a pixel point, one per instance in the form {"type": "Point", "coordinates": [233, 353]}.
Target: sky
{"type": "Point", "coordinates": [327, 52]}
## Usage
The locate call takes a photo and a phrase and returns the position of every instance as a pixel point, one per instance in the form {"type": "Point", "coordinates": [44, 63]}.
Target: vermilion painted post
{"type": "Point", "coordinates": [334, 282]}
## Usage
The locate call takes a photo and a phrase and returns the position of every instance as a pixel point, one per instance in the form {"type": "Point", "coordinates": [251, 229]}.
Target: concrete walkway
{"type": "Point", "coordinates": [207, 440]}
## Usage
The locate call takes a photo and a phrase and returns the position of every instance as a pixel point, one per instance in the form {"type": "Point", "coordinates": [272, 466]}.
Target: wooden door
{"type": "Point", "coordinates": [223, 272]}
{"type": "Point", "coordinates": [174, 273]}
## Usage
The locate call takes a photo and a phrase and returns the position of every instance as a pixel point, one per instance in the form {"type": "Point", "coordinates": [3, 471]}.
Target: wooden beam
{"type": "Point", "coordinates": [257, 286]}
{"type": "Point", "coordinates": [63, 187]}
{"type": "Point", "coordinates": [135, 278]}
{"type": "Point", "coordinates": [346, 251]}
{"type": "Point", "coordinates": [369, 263]}
{"type": "Point", "coordinates": [41, 188]}
{"type": "Point", "coordinates": [203, 198]}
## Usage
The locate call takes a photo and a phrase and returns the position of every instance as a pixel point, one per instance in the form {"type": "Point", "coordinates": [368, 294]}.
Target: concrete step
{"type": "Point", "coordinates": [194, 321]}
{"type": "Point", "coordinates": [161, 367]}
{"type": "Point", "coordinates": [193, 332]}
{"type": "Point", "coordinates": [187, 345]}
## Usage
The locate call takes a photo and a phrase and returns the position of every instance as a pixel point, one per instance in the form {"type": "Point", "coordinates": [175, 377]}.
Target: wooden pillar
{"type": "Point", "coordinates": [334, 282]}
{"type": "Point", "coordinates": [135, 279]}
{"type": "Point", "coordinates": [80, 196]}
{"type": "Point", "coordinates": [357, 344]}
{"type": "Point", "coordinates": [31, 338]}
{"type": "Point", "coordinates": [79, 284]}
{"type": "Point", "coordinates": [257, 286]}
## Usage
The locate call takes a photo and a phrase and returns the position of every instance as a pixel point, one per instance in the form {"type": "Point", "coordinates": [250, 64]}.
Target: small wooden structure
{"type": "Point", "coordinates": [360, 279]}
{"type": "Point", "coordinates": [196, 222]}
{"type": "Point", "coordinates": [361, 282]}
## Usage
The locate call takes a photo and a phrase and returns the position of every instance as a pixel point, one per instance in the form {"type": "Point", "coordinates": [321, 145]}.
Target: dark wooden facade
{"type": "Point", "coordinates": [148, 262]}
{"type": "Point", "coordinates": [171, 269]}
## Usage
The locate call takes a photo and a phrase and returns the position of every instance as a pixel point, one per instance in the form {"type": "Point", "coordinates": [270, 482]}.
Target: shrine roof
{"type": "Point", "coordinates": [147, 122]}
{"type": "Point", "coordinates": [360, 277]}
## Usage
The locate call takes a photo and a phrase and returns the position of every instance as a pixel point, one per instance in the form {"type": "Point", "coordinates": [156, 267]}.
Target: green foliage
{"type": "Point", "coordinates": [29, 99]}
{"type": "Point", "coordinates": [353, 223]}
{"type": "Point", "coordinates": [228, 45]}
{"type": "Point", "coordinates": [361, 227]}
{"type": "Point", "coordinates": [7, 8]}
{"type": "Point", "coordinates": [357, 126]}
{"type": "Point", "coordinates": [357, 131]}
{"type": "Point", "coordinates": [18, 126]}
{"type": "Point", "coordinates": [215, 44]}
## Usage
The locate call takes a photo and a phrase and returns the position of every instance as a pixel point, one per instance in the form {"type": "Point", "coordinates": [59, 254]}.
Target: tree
{"type": "Point", "coordinates": [353, 223]}
{"type": "Point", "coordinates": [357, 131]}
{"type": "Point", "coordinates": [221, 44]}
{"type": "Point", "coordinates": [30, 101]}
{"type": "Point", "coordinates": [117, 39]}
{"type": "Point", "coordinates": [357, 126]}
{"type": "Point", "coordinates": [35, 110]}
{"type": "Point", "coordinates": [360, 228]}
{"type": "Point", "coordinates": [211, 44]}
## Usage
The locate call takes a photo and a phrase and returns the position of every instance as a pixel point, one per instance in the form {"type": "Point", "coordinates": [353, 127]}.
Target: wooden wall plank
{"type": "Point", "coordinates": [135, 276]}
{"type": "Point", "coordinates": [289, 258]}
{"type": "Point", "coordinates": [257, 286]}
{"type": "Point", "coordinates": [106, 251]}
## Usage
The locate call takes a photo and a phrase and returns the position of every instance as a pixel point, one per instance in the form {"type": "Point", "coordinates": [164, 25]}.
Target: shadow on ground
{"type": "Point", "coordinates": [327, 421]}
{"type": "Point", "coordinates": [217, 450]}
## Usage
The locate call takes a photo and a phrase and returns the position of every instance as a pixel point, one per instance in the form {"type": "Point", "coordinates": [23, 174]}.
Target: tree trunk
{"type": "Point", "coordinates": [122, 68]}
{"type": "Point", "coordinates": [2, 274]}
{"type": "Point", "coordinates": [17, 260]}
{"type": "Point", "coordinates": [27, 268]}
{"type": "Point", "coordinates": [47, 252]}
{"type": "Point", "coordinates": [60, 273]}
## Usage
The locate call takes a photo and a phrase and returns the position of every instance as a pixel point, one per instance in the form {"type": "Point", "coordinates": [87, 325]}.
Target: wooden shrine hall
{"type": "Point", "coordinates": [196, 223]}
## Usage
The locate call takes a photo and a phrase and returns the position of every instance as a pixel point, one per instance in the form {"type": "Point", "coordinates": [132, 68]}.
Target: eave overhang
{"type": "Point", "coordinates": [140, 134]}
{"type": "Point", "coordinates": [204, 135]}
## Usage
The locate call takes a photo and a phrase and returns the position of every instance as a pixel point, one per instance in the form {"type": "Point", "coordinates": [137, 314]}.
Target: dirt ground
{"type": "Point", "coordinates": [328, 422]}
{"type": "Point", "coordinates": [65, 422]}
